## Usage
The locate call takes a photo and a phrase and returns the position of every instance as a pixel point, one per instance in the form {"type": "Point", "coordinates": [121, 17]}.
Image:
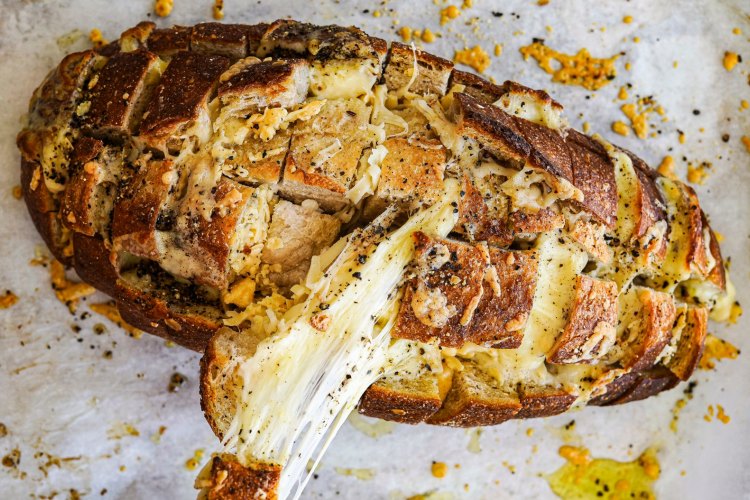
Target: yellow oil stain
{"type": "Point", "coordinates": [583, 477]}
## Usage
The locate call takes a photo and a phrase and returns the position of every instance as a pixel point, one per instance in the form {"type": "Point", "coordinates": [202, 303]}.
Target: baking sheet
{"type": "Point", "coordinates": [92, 425]}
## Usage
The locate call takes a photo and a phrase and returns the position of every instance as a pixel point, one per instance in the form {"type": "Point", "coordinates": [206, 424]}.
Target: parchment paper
{"type": "Point", "coordinates": [60, 397]}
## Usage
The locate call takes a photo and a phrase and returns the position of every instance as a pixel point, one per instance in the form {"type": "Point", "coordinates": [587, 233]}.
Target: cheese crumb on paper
{"type": "Point", "coordinates": [8, 299]}
{"type": "Point", "coordinates": [109, 311]}
{"type": "Point", "coordinates": [163, 8]}
{"type": "Point", "coordinates": [580, 69]}
{"type": "Point", "coordinates": [716, 349]}
{"type": "Point", "coordinates": [474, 57]}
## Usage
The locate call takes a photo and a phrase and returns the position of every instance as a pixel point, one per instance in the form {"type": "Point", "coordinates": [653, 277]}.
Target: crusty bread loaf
{"type": "Point", "coordinates": [194, 173]}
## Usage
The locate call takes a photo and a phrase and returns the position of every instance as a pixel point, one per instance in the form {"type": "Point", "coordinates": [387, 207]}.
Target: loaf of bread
{"type": "Point", "coordinates": [210, 178]}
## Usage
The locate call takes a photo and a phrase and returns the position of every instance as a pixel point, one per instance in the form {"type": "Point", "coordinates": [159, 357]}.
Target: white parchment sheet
{"type": "Point", "coordinates": [61, 399]}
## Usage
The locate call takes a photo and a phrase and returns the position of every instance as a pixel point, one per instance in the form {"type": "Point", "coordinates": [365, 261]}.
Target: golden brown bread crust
{"type": "Point", "coordinates": [227, 479]}
{"type": "Point", "coordinates": [123, 86]}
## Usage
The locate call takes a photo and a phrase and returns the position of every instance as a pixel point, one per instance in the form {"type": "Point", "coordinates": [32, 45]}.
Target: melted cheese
{"type": "Point", "coordinates": [342, 79]}
{"type": "Point", "coordinates": [559, 264]}
{"type": "Point", "coordinates": [291, 410]}
{"type": "Point", "coordinates": [530, 108]}
{"type": "Point", "coordinates": [368, 174]}
{"type": "Point", "coordinates": [54, 159]}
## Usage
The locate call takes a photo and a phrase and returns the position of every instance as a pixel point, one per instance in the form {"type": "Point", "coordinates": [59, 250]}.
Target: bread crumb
{"type": "Point", "coordinates": [627, 19]}
{"type": "Point", "coordinates": [439, 469]}
{"type": "Point", "coordinates": [621, 128]}
{"type": "Point", "coordinates": [8, 300]}
{"type": "Point", "coordinates": [109, 311]}
{"type": "Point", "coordinates": [730, 60]}
{"type": "Point", "coordinates": [448, 13]}
{"type": "Point", "coordinates": [96, 38]}
{"type": "Point", "coordinates": [163, 8]}
{"type": "Point", "coordinates": [475, 57]}
{"type": "Point", "coordinates": [218, 10]}
{"type": "Point", "coordinates": [580, 69]}
{"type": "Point", "coordinates": [17, 192]}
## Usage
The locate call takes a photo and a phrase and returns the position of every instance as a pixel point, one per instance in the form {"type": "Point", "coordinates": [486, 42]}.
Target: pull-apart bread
{"type": "Point", "coordinates": [340, 222]}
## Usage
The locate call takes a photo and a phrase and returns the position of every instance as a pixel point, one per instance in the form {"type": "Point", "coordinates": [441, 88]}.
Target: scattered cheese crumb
{"type": "Point", "coordinates": [96, 38]}
{"type": "Point", "coordinates": [575, 455]}
{"type": "Point", "coordinates": [730, 60]}
{"type": "Point", "coordinates": [193, 462]}
{"type": "Point", "coordinates": [737, 31]}
{"type": "Point", "coordinates": [719, 236]}
{"type": "Point", "coordinates": [530, 432]}
{"type": "Point", "coordinates": [163, 8]}
{"type": "Point", "coordinates": [666, 167]}
{"type": "Point", "coordinates": [697, 174]}
{"type": "Point", "coordinates": [623, 93]}
{"type": "Point", "coordinates": [586, 127]}
{"type": "Point", "coordinates": [746, 141]}
{"type": "Point", "coordinates": [475, 57]}
{"type": "Point", "coordinates": [17, 192]}
{"type": "Point", "coordinates": [744, 104]}
{"type": "Point", "coordinates": [361, 474]}
{"type": "Point", "coordinates": [681, 138]}
{"type": "Point", "coordinates": [580, 69]}
{"type": "Point", "coordinates": [638, 114]}
{"type": "Point", "coordinates": [627, 19]}
{"type": "Point", "coordinates": [405, 33]}
{"type": "Point", "coordinates": [439, 469]}
{"type": "Point", "coordinates": [468, 4]}
{"type": "Point", "coordinates": [674, 64]}
{"type": "Point", "coordinates": [8, 300]}
{"type": "Point", "coordinates": [376, 13]}
{"type": "Point", "coordinates": [709, 416]}
{"type": "Point", "coordinates": [448, 13]}
{"type": "Point", "coordinates": [628, 66]}
{"type": "Point", "coordinates": [68, 292]}
{"type": "Point", "coordinates": [109, 311]}
{"type": "Point", "coordinates": [428, 36]}
{"type": "Point", "coordinates": [716, 349]}
{"type": "Point", "coordinates": [621, 128]}
{"type": "Point", "coordinates": [542, 2]}
{"type": "Point", "coordinates": [498, 49]}
{"type": "Point", "coordinates": [721, 415]}
{"type": "Point", "coordinates": [218, 10]}
{"type": "Point", "coordinates": [636, 39]}
{"type": "Point", "coordinates": [676, 410]}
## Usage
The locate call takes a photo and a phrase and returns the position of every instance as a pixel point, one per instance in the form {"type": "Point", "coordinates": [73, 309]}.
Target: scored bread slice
{"type": "Point", "coordinates": [194, 173]}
